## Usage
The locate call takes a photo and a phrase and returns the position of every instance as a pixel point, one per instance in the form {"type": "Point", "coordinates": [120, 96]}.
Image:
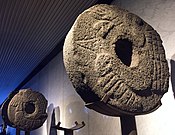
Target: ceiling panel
{"type": "Point", "coordinates": [29, 31]}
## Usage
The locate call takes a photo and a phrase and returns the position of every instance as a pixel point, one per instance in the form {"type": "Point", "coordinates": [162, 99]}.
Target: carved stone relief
{"type": "Point", "coordinates": [114, 56]}
{"type": "Point", "coordinates": [27, 110]}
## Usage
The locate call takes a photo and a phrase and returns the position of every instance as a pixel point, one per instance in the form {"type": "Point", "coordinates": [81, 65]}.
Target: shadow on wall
{"type": "Point", "coordinates": [52, 119]}
{"type": "Point", "coordinates": [172, 62]}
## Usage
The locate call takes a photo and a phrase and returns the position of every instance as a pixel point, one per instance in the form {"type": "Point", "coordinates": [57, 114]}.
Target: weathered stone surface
{"type": "Point", "coordinates": [27, 110]}
{"type": "Point", "coordinates": [112, 54]}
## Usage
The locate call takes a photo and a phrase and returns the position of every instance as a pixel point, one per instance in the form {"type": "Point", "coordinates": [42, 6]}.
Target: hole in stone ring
{"type": "Point", "coordinates": [123, 49]}
{"type": "Point", "coordinates": [29, 108]}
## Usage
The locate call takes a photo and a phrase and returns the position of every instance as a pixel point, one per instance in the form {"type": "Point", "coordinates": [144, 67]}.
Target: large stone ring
{"type": "Point", "coordinates": [26, 110]}
{"type": "Point", "coordinates": [116, 61]}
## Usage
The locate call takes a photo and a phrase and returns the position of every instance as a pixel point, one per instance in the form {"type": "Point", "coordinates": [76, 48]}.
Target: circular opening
{"type": "Point", "coordinates": [29, 108]}
{"type": "Point", "coordinates": [123, 49]}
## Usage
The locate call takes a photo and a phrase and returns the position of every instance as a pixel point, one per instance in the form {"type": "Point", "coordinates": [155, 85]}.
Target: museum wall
{"type": "Point", "coordinates": [53, 82]}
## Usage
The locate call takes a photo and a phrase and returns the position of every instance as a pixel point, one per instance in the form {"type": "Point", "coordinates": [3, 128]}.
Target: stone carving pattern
{"type": "Point", "coordinates": [91, 61]}
{"type": "Point", "coordinates": [22, 119]}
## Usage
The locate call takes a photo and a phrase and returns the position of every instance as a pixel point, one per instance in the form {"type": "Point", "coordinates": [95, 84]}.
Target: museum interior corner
{"type": "Point", "coordinates": [96, 67]}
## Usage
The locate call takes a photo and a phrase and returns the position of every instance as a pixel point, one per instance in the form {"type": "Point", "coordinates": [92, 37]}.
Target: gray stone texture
{"type": "Point", "coordinates": [112, 54]}
{"type": "Point", "coordinates": [27, 110]}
